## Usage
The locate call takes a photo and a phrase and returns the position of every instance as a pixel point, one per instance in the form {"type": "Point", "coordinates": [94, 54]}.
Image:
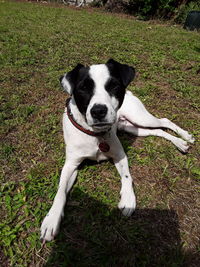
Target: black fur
{"type": "Point", "coordinates": [83, 93]}
{"type": "Point", "coordinates": [121, 76]}
{"type": "Point", "coordinates": [122, 72]}
{"type": "Point", "coordinates": [82, 86]}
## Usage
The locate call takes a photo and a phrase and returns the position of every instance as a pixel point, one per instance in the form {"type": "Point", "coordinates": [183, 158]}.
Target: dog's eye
{"type": "Point", "coordinates": [113, 86]}
{"type": "Point", "coordinates": [86, 86]}
{"type": "Point", "coordinates": [83, 88]}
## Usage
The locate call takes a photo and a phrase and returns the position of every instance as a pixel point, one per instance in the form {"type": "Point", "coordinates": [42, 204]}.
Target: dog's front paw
{"type": "Point", "coordinates": [127, 203]}
{"type": "Point", "coordinates": [50, 226]}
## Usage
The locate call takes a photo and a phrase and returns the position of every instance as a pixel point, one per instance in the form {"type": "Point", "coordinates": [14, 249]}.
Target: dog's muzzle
{"type": "Point", "coordinates": [98, 113]}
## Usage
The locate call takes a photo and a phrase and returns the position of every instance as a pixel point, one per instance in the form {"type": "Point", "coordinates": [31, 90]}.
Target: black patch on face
{"type": "Point", "coordinates": [82, 86]}
{"type": "Point", "coordinates": [83, 91]}
{"type": "Point", "coordinates": [121, 76]}
{"type": "Point", "coordinates": [114, 88]}
{"type": "Point", "coordinates": [74, 74]}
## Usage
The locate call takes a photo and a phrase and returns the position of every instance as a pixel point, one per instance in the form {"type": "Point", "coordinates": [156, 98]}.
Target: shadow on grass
{"type": "Point", "coordinates": [93, 235]}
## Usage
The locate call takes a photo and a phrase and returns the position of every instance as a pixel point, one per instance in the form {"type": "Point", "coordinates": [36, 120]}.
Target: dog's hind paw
{"type": "Point", "coordinates": [190, 139]}
{"type": "Point", "coordinates": [127, 204]}
{"type": "Point", "coordinates": [50, 227]}
{"type": "Point", "coordinates": [181, 145]}
{"type": "Point", "coordinates": [187, 137]}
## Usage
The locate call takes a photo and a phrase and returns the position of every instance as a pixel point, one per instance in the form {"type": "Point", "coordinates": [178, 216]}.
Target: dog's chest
{"type": "Point", "coordinates": [92, 149]}
{"type": "Point", "coordinates": [100, 155]}
{"type": "Point", "coordinates": [84, 146]}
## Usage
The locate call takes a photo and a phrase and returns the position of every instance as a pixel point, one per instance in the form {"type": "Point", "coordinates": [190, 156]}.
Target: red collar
{"type": "Point", "coordinates": [78, 126]}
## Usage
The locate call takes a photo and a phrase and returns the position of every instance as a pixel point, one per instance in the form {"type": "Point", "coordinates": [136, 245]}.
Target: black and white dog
{"type": "Point", "coordinates": [98, 107]}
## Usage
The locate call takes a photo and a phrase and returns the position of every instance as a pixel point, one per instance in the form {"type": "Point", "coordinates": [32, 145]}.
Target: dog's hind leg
{"type": "Point", "coordinates": [135, 112]}
{"type": "Point", "coordinates": [130, 128]}
{"type": "Point", "coordinates": [165, 123]}
{"type": "Point", "coordinates": [51, 223]}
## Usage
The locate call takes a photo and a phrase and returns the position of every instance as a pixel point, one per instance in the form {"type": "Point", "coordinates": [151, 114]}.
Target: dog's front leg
{"type": "Point", "coordinates": [127, 203]}
{"type": "Point", "coordinates": [51, 223]}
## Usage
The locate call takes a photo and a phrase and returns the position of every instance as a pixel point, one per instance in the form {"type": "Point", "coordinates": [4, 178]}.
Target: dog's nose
{"type": "Point", "coordinates": [99, 111]}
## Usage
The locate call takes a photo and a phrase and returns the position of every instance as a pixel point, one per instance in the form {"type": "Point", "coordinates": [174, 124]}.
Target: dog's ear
{"type": "Point", "coordinates": [121, 71]}
{"type": "Point", "coordinates": [68, 81]}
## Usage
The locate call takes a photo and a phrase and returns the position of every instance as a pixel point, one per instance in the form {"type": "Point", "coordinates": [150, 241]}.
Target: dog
{"type": "Point", "coordinates": [99, 106]}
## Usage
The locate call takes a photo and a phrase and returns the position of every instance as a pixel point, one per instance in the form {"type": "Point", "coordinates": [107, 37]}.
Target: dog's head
{"type": "Point", "coordinates": [98, 90]}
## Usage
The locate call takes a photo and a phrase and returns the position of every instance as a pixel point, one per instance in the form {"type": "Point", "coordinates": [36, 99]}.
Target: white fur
{"type": "Point", "coordinates": [100, 75]}
{"type": "Point", "coordinates": [132, 117]}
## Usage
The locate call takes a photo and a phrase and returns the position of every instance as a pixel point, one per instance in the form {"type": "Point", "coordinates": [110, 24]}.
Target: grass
{"type": "Point", "coordinates": [38, 44]}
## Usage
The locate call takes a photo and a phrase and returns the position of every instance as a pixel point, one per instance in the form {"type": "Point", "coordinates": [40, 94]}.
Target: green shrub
{"type": "Point", "coordinates": [147, 9]}
{"type": "Point", "coordinates": [152, 8]}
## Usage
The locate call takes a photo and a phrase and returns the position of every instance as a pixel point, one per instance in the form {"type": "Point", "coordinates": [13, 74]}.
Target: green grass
{"type": "Point", "coordinates": [38, 44]}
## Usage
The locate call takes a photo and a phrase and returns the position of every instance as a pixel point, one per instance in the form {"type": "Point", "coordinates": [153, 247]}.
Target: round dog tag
{"type": "Point", "coordinates": [104, 147]}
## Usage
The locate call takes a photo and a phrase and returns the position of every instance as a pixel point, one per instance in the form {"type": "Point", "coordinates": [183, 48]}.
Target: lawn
{"type": "Point", "coordinates": [39, 43]}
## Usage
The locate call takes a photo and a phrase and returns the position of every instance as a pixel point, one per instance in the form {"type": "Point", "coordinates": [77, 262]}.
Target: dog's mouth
{"type": "Point", "coordinates": [102, 125]}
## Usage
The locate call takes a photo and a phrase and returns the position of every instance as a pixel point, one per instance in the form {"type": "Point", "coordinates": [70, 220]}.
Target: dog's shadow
{"type": "Point", "coordinates": [93, 235]}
